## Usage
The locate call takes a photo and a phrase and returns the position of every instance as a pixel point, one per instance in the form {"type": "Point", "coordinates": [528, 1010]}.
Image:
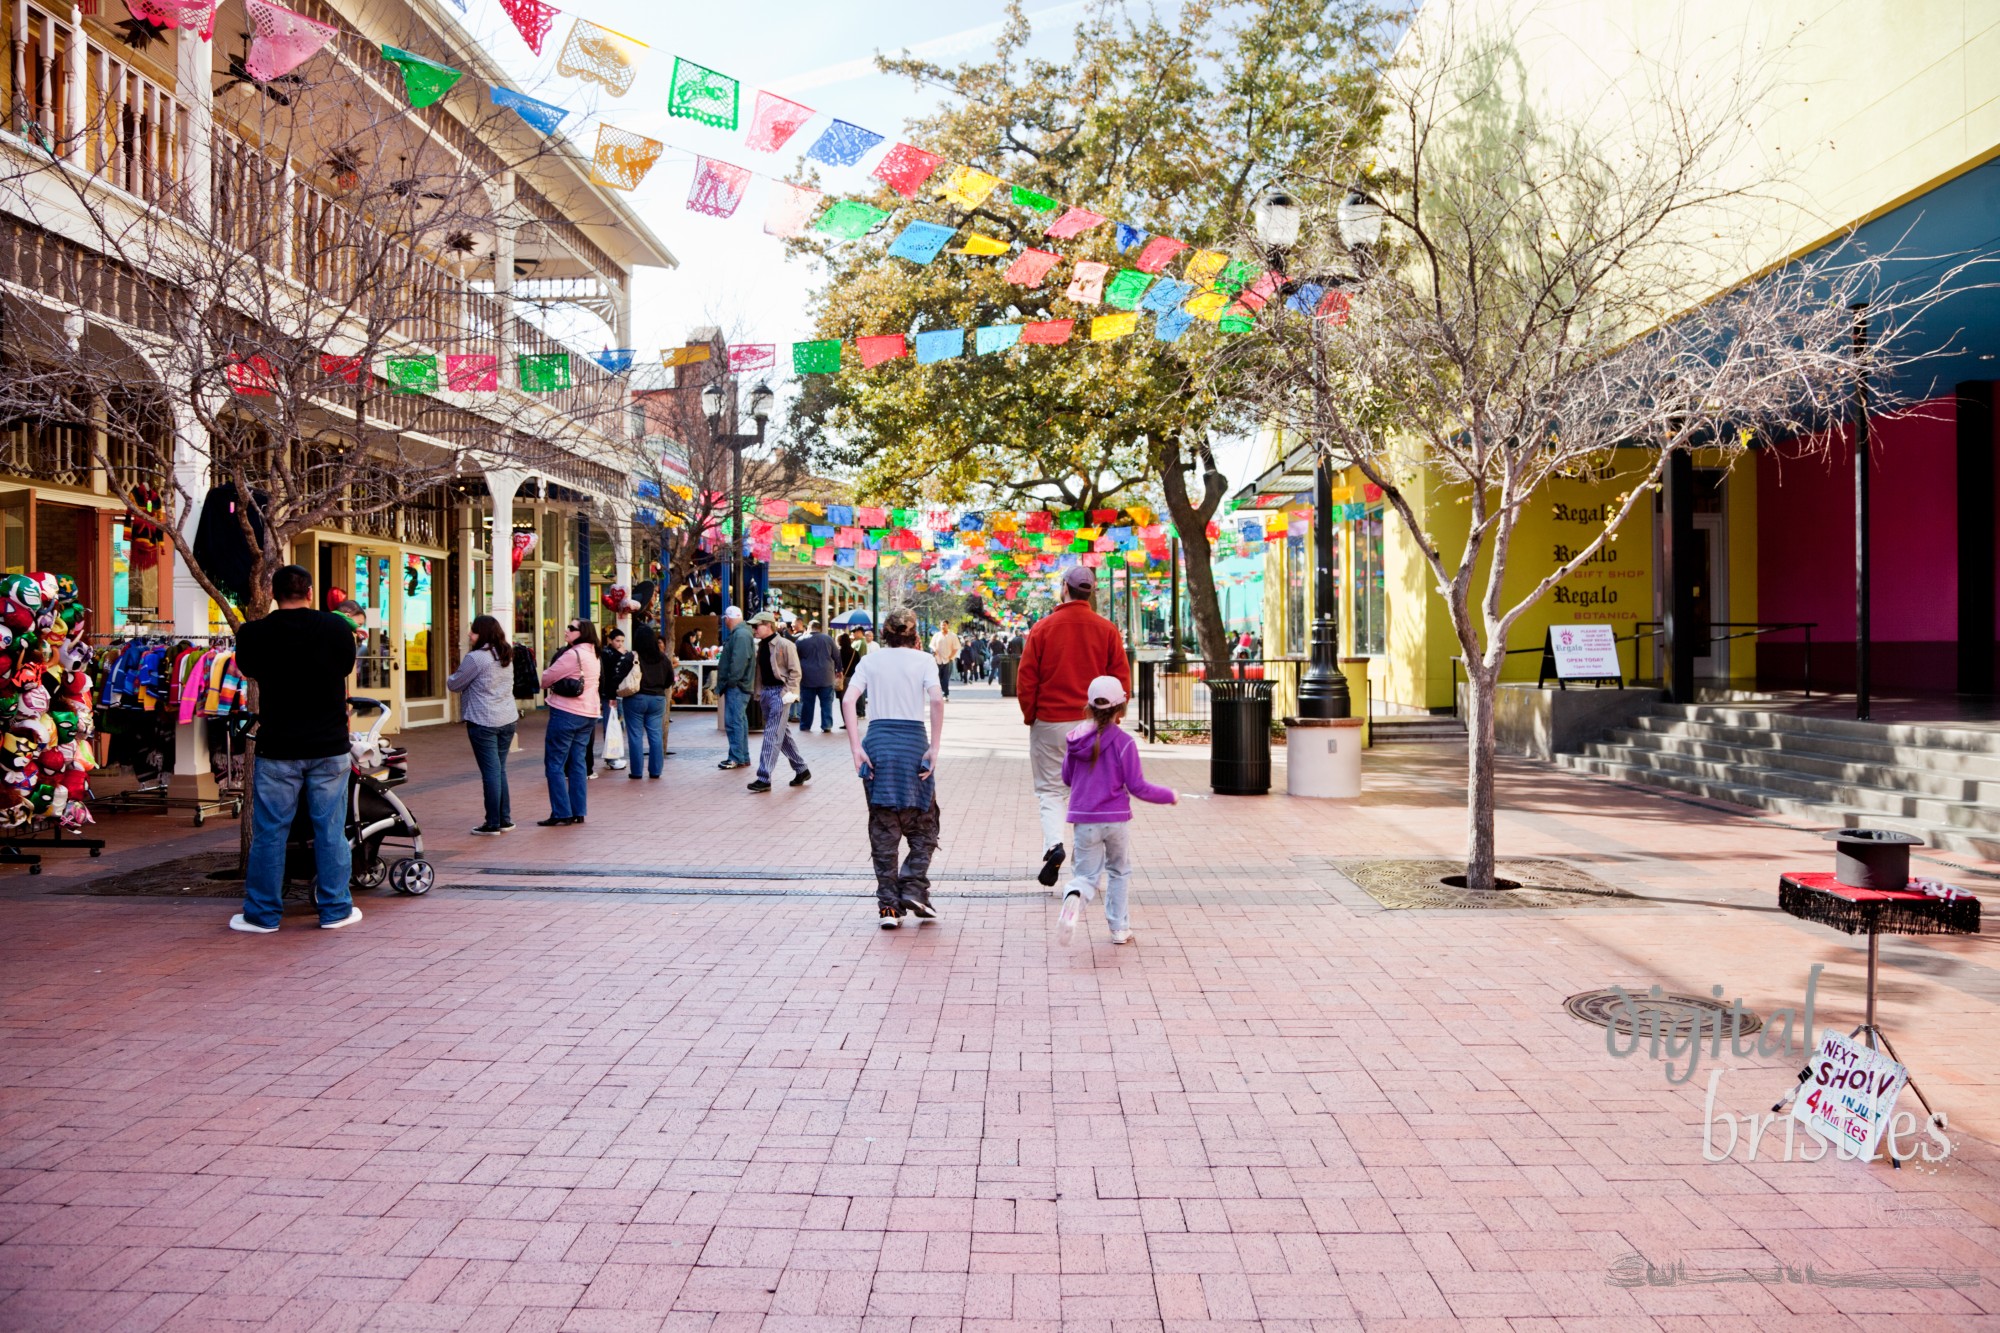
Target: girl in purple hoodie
{"type": "Point", "coordinates": [1101, 767]}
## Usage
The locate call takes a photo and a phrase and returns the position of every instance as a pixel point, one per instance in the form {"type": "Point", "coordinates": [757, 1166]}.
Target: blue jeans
{"type": "Point", "coordinates": [566, 760]}
{"type": "Point", "coordinates": [1103, 850]}
{"type": "Point", "coordinates": [777, 735]}
{"type": "Point", "coordinates": [277, 789]}
{"type": "Point", "coordinates": [646, 729]}
{"type": "Point", "coordinates": [489, 750]}
{"type": "Point", "coordinates": [736, 724]}
{"type": "Point", "coordinates": [822, 696]}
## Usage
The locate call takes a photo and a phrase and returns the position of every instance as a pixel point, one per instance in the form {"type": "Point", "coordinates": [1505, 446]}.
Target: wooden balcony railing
{"type": "Point", "coordinates": [78, 101]}
{"type": "Point", "coordinates": [81, 103]}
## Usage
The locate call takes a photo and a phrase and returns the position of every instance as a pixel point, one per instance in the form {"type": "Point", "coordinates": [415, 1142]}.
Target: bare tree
{"type": "Point", "coordinates": [289, 286]}
{"type": "Point", "coordinates": [687, 467]}
{"type": "Point", "coordinates": [1543, 304]}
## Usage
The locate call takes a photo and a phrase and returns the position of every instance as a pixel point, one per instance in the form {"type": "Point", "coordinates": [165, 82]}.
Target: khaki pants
{"type": "Point", "coordinates": [1047, 743]}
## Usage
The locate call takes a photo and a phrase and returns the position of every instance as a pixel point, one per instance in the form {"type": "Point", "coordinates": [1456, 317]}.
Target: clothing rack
{"type": "Point", "coordinates": [189, 785]}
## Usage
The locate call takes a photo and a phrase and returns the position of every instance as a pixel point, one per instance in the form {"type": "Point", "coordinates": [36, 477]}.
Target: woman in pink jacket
{"type": "Point", "coordinates": [570, 682]}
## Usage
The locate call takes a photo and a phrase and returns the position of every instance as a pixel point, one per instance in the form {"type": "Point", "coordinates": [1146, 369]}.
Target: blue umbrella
{"type": "Point", "coordinates": [852, 619]}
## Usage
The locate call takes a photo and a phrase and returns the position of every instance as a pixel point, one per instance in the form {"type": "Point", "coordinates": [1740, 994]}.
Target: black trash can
{"type": "Point", "coordinates": [1239, 761]}
{"type": "Point", "coordinates": [753, 713]}
{"type": "Point", "coordinates": [1010, 676]}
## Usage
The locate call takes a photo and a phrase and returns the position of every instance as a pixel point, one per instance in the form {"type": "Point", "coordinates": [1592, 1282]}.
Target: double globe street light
{"type": "Point", "coordinates": [1358, 221]}
{"type": "Point", "coordinates": [713, 399]}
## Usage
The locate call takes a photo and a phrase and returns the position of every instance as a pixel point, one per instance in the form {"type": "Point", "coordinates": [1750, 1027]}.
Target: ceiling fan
{"type": "Point", "coordinates": [280, 90]}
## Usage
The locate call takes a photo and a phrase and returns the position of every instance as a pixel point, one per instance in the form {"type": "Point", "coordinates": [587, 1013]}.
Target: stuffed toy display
{"type": "Point", "coordinates": [46, 753]}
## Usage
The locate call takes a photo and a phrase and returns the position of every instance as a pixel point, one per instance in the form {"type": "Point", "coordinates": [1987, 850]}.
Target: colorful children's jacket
{"type": "Point", "coordinates": [1100, 788]}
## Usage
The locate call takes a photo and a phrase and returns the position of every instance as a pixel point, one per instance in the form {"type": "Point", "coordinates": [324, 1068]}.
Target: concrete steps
{"type": "Point", "coordinates": [1417, 729]}
{"type": "Point", "coordinates": [1939, 782]}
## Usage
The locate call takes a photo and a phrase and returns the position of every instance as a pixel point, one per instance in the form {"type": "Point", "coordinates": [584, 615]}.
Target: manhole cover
{"type": "Point", "coordinates": [1538, 884]}
{"type": "Point", "coordinates": [1655, 1011]}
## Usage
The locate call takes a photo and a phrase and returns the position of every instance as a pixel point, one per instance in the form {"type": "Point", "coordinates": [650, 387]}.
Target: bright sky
{"type": "Point", "coordinates": [821, 54]}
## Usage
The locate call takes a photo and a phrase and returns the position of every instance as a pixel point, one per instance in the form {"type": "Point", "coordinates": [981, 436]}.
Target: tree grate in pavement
{"type": "Point", "coordinates": [676, 891]}
{"type": "Point", "coordinates": [778, 874]}
{"type": "Point", "coordinates": [1640, 1009]}
{"type": "Point", "coordinates": [1543, 884]}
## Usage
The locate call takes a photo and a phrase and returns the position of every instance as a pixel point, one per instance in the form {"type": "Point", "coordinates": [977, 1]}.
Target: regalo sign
{"type": "Point", "coordinates": [1849, 1097]}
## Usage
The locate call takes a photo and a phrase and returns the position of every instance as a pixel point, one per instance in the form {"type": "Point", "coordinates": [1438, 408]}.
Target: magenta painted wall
{"type": "Point", "coordinates": [1805, 530]}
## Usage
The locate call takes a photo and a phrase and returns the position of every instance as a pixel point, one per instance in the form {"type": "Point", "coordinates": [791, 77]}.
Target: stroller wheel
{"type": "Point", "coordinates": [371, 874]}
{"type": "Point", "coordinates": [412, 876]}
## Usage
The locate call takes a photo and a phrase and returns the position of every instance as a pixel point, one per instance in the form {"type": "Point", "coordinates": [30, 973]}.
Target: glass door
{"type": "Point", "coordinates": [423, 671]}
{"type": "Point", "coordinates": [17, 522]}
{"type": "Point", "coordinates": [369, 574]}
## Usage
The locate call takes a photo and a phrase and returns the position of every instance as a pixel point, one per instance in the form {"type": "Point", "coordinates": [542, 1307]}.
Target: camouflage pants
{"type": "Point", "coordinates": [887, 828]}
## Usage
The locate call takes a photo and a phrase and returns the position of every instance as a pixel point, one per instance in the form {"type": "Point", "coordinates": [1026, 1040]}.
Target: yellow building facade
{"type": "Point", "coordinates": [1880, 125]}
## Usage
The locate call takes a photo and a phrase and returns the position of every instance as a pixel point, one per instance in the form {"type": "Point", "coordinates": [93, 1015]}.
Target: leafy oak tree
{"type": "Point", "coordinates": [1170, 124]}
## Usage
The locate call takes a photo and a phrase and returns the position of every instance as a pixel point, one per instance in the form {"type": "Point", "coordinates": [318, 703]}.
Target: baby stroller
{"type": "Point", "coordinates": [375, 814]}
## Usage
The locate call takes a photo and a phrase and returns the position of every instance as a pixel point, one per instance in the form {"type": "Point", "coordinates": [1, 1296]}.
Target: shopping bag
{"type": "Point", "coordinates": [614, 741]}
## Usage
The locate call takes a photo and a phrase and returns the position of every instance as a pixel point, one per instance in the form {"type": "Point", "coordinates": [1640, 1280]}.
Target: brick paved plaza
{"type": "Point", "coordinates": [663, 1072]}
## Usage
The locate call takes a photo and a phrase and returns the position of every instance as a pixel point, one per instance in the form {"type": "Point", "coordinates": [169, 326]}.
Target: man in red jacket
{"type": "Point", "coordinates": [1066, 650]}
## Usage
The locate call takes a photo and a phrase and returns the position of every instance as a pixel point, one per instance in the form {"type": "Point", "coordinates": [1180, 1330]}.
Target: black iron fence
{"type": "Point", "coordinates": [1179, 701]}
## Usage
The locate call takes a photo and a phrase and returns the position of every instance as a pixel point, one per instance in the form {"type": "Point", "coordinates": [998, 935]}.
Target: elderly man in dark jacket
{"type": "Point", "coordinates": [735, 677]}
{"type": "Point", "coordinates": [816, 653]}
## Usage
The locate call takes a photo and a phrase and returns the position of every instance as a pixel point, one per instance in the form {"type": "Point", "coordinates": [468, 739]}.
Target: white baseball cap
{"type": "Point", "coordinates": [1106, 692]}
{"type": "Point", "coordinates": [733, 613]}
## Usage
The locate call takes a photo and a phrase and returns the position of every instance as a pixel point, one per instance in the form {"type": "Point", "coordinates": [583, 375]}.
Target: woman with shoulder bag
{"type": "Point", "coordinates": [571, 684]}
{"type": "Point", "coordinates": [645, 706]}
{"type": "Point", "coordinates": [485, 677]}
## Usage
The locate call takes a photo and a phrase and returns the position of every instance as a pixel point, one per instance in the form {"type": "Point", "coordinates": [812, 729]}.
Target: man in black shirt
{"type": "Point", "coordinates": [300, 659]}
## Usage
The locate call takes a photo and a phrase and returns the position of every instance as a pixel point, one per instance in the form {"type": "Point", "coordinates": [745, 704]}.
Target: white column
{"type": "Point", "coordinates": [620, 526]}
{"type": "Point", "coordinates": [190, 609]}
{"type": "Point", "coordinates": [192, 775]}
{"type": "Point", "coordinates": [501, 485]}
{"type": "Point", "coordinates": [196, 83]}
{"type": "Point", "coordinates": [505, 225]}
{"type": "Point", "coordinates": [76, 103]}
{"type": "Point", "coordinates": [465, 540]}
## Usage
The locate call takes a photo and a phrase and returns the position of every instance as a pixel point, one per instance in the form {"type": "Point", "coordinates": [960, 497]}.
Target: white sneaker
{"type": "Point", "coordinates": [1066, 919]}
{"type": "Point", "coordinates": [1121, 937]}
{"type": "Point", "coordinates": [243, 923]}
{"type": "Point", "coordinates": [353, 915]}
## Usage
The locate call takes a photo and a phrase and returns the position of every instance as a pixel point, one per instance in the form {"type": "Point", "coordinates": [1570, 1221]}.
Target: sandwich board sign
{"type": "Point", "coordinates": [1581, 652]}
{"type": "Point", "coordinates": [1849, 1095]}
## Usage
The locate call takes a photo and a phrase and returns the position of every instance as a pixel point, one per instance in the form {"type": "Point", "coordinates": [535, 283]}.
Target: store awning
{"type": "Point", "coordinates": [1280, 485]}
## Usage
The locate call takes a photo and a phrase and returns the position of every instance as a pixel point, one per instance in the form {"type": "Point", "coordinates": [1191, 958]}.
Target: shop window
{"type": "Point", "coordinates": [555, 615]}
{"type": "Point", "coordinates": [15, 512]}
{"type": "Point", "coordinates": [1371, 605]}
{"type": "Point", "coordinates": [372, 588]}
{"type": "Point", "coordinates": [135, 576]}
{"type": "Point", "coordinates": [1298, 571]}
{"type": "Point", "coordinates": [421, 664]}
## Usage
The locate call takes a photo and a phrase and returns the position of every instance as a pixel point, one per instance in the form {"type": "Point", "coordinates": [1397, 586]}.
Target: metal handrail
{"type": "Point", "coordinates": [1649, 629]}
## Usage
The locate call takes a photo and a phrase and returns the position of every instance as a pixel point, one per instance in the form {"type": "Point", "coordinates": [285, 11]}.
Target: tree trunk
{"type": "Point", "coordinates": [1191, 522]}
{"type": "Point", "coordinates": [1205, 602]}
{"type": "Point", "coordinates": [1481, 687]}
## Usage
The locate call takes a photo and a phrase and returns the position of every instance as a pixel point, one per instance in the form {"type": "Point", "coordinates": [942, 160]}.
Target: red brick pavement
{"type": "Point", "coordinates": [616, 1095]}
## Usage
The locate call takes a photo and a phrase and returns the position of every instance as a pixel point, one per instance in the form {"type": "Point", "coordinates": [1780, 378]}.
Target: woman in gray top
{"type": "Point", "coordinates": [486, 678]}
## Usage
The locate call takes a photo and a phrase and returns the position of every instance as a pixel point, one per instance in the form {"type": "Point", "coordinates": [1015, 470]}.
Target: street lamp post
{"type": "Point", "coordinates": [1323, 689]}
{"type": "Point", "coordinates": [713, 399]}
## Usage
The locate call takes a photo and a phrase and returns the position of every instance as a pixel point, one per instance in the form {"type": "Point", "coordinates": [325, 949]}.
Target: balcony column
{"type": "Point", "coordinates": [620, 525]}
{"type": "Point", "coordinates": [501, 486]}
{"type": "Point", "coordinates": [465, 541]}
{"type": "Point", "coordinates": [504, 227]}
{"type": "Point", "coordinates": [196, 83]}
{"type": "Point", "coordinates": [76, 99]}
